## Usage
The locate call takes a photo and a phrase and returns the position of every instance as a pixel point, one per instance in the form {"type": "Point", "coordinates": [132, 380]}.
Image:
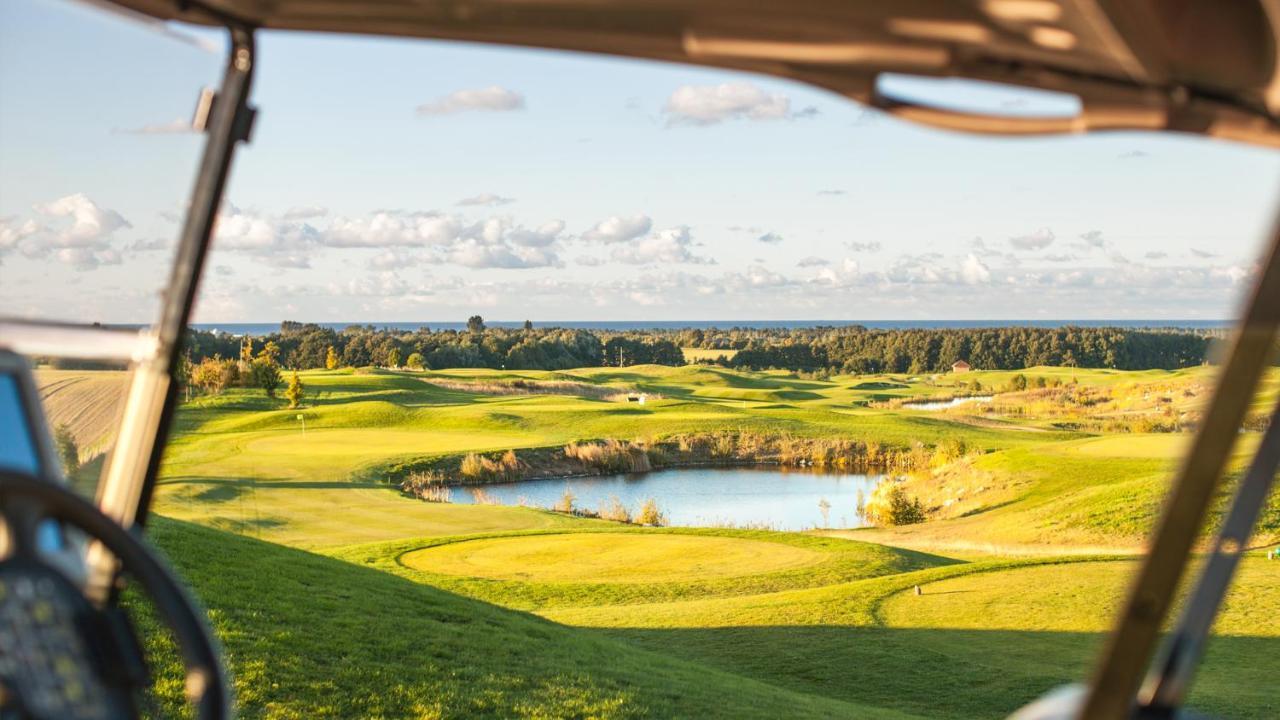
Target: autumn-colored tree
{"type": "Point", "coordinates": [414, 362]}
{"type": "Point", "coordinates": [331, 358]}
{"type": "Point", "coordinates": [393, 358]}
{"type": "Point", "coordinates": [213, 374]}
{"type": "Point", "coordinates": [246, 353]}
{"type": "Point", "coordinates": [295, 390]}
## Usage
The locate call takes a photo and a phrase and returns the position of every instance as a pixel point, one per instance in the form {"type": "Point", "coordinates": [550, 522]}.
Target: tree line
{"type": "Point", "coordinates": [849, 349]}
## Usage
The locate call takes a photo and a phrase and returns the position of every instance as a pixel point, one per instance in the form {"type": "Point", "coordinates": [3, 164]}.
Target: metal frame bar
{"type": "Point", "coordinates": [1170, 678]}
{"type": "Point", "coordinates": [1113, 691]}
{"type": "Point", "coordinates": [83, 342]}
{"type": "Point", "coordinates": [129, 477]}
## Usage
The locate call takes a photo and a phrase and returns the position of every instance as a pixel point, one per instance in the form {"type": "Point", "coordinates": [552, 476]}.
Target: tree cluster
{"type": "Point", "coordinates": [850, 349]}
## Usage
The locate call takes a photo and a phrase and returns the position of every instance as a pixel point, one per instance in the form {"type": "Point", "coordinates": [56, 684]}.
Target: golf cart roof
{"type": "Point", "coordinates": [1200, 66]}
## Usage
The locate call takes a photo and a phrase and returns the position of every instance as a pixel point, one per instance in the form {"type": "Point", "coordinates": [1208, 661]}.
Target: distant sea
{"type": "Point", "coordinates": [267, 328]}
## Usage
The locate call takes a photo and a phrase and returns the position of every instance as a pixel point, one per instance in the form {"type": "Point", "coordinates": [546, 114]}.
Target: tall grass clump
{"type": "Point", "coordinates": [565, 503]}
{"type": "Point", "coordinates": [609, 456]}
{"type": "Point", "coordinates": [477, 468]}
{"type": "Point", "coordinates": [614, 510]}
{"type": "Point", "coordinates": [428, 485]}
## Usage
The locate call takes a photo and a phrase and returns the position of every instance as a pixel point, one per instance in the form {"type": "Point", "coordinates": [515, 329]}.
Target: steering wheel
{"type": "Point", "coordinates": [61, 656]}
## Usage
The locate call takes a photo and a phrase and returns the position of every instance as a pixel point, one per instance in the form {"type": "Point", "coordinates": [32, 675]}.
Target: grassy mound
{"type": "Point", "coordinates": [312, 637]}
{"type": "Point", "coordinates": [782, 561]}
{"type": "Point", "coordinates": [609, 558]}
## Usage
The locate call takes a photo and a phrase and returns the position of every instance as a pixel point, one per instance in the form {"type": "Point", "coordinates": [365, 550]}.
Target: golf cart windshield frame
{"type": "Point", "coordinates": [130, 475]}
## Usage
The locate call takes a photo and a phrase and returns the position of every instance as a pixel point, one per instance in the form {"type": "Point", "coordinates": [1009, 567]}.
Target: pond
{"type": "Point", "coordinates": [944, 404]}
{"type": "Point", "coordinates": [763, 497]}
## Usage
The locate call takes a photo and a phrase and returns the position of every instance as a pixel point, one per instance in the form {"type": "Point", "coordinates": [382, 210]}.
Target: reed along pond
{"type": "Point", "coordinates": [772, 498]}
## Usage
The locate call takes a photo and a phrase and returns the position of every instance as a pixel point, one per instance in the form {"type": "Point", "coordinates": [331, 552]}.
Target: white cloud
{"type": "Point", "coordinates": [672, 245]}
{"type": "Point", "coordinates": [1203, 254]}
{"type": "Point", "coordinates": [392, 259]}
{"type": "Point", "coordinates": [542, 236]}
{"type": "Point", "coordinates": [812, 261]}
{"type": "Point", "coordinates": [619, 229]}
{"type": "Point", "coordinates": [177, 126]}
{"type": "Point", "coordinates": [13, 232]}
{"type": "Point", "coordinates": [486, 199]}
{"type": "Point", "coordinates": [588, 261]}
{"type": "Point", "coordinates": [90, 224]}
{"type": "Point", "coordinates": [305, 212]}
{"type": "Point", "coordinates": [490, 99]}
{"type": "Point", "coordinates": [770, 237]}
{"type": "Point", "coordinates": [277, 242]}
{"type": "Point", "coordinates": [1037, 240]}
{"type": "Point", "coordinates": [974, 271]}
{"type": "Point", "coordinates": [475, 253]}
{"type": "Point", "coordinates": [388, 229]}
{"type": "Point", "coordinates": [847, 274]}
{"type": "Point", "coordinates": [1094, 238]}
{"type": "Point", "coordinates": [711, 104]}
{"type": "Point", "coordinates": [869, 247]}
{"type": "Point", "coordinates": [88, 258]}
{"type": "Point", "coordinates": [1155, 255]}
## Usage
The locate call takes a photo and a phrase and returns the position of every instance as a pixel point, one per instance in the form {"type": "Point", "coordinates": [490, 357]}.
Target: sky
{"type": "Point", "coordinates": [394, 180]}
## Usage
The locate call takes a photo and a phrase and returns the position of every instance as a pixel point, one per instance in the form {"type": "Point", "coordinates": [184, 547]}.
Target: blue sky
{"type": "Point", "coordinates": [402, 180]}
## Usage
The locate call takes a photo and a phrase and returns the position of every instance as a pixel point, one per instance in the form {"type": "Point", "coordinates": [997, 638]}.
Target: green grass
{"type": "Point", "coordinates": [410, 609]}
{"type": "Point", "coordinates": [311, 637]}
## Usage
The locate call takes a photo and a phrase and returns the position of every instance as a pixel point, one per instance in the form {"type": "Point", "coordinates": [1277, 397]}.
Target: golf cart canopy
{"type": "Point", "coordinates": [1199, 66]}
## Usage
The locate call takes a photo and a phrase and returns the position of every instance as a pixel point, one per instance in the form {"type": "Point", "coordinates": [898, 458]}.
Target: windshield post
{"type": "Point", "coordinates": [125, 490]}
{"type": "Point", "coordinates": [1170, 678]}
{"type": "Point", "coordinates": [1112, 694]}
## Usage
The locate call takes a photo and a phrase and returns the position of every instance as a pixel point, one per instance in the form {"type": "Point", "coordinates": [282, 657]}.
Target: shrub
{"type": "Point", "coordinates": [414, 362]}
{"type": "Point", "coordinates": [650, 514]}
{"type": "Point", "coordinates": [889, 505]}
{"type": "Point", "coordinates": [213, 374]}
{"type": "Point", "coordinates": [266, 375]}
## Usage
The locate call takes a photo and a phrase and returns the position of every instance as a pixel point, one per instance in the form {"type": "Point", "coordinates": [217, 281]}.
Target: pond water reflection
{"type": "Point", "coordinates": [771, 497]}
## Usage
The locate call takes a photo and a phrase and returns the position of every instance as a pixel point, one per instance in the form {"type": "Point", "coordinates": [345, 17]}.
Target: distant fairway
{"type": "Point", "coordinates": [706, 354]}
